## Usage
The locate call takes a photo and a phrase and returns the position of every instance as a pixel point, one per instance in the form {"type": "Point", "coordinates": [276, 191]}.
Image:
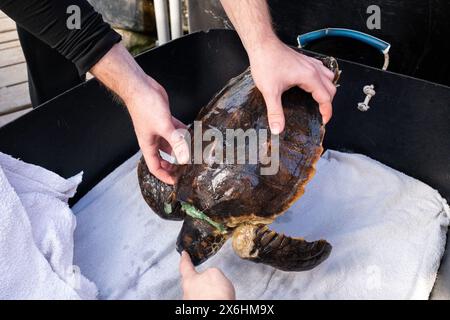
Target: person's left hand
{"type": "Point", "coordinates": [211, 284]}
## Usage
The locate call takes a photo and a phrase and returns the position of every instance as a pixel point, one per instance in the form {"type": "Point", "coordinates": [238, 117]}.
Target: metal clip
{"type": "Point", "coordinates": [369, 91]}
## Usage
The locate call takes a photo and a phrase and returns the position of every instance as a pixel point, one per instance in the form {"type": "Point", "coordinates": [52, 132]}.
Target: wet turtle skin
{"type": "Point", "coordinates": [237, 196]}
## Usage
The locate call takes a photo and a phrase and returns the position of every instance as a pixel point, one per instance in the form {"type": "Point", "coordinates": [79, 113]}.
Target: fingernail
{"type": "Point", "coordinates": [182, 157]}
{"type": "Point", "coordinates": [275, 127]}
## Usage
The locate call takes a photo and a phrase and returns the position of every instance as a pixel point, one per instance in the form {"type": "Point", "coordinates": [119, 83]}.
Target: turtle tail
{"type": "Point", "coordinates": [259, 244]}
{"type": "Point", "coordinates": [158, 195]}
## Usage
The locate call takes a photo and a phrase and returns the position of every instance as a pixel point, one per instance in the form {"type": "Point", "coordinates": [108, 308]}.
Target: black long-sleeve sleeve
{"type": "Point", "coordinates": [47, 20]}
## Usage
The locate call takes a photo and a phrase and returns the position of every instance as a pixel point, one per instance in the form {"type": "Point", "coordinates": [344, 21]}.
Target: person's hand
{"type": "Point", "coordinates": [156, 130]}
{"type": "Point", "coordinates": [276, 68]}
{"type": "Point", "coordinates": [211, 284]}
{"type": "Point", "coordinates": [148, 105]}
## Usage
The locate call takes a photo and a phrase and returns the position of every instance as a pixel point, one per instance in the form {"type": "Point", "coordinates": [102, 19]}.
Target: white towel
{"type": "Point", "coordinates": [388, 233]}
{"type": "Point", "coordinates": [36, 234]}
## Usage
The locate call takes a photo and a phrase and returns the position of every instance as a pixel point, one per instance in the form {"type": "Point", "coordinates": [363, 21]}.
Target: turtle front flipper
{"type": "Point", "coordinates": [200, 239]}
{"type": "Point", "coordinates": [158, 195]}
{"type": "Point", "coordinates": [259, 244]}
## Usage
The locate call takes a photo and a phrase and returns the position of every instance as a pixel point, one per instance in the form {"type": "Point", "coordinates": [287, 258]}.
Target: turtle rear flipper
{"type": "Point", "coordinates": [259, 244]}
{"type": "Point", "coordinates": [200, 239]}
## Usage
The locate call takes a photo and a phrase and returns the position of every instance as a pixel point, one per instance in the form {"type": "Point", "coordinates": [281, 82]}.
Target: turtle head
{"type": "Point", "coordinates": [160, 196]}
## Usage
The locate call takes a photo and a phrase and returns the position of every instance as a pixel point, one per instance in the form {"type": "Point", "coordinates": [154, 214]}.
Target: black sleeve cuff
{"type": "Point", "coordinates": [47, 20]}
{"type": "Point", "coordinates": [86, 46]}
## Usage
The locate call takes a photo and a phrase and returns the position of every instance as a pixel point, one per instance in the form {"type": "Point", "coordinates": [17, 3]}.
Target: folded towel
{"type": "Point", "coordinates": [388, 233]}
{"type": "Point", "coordinates": [36, 234]}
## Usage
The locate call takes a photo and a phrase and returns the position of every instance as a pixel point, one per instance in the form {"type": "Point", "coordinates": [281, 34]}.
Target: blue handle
{"type": "Point", "coordinates": [307, 38]}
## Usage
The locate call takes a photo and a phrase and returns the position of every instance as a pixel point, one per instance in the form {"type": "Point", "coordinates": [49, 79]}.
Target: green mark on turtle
{"type": "Point", "coordinates": [197, 214]}
{"type": "Point", "coordinates": [168, 208]}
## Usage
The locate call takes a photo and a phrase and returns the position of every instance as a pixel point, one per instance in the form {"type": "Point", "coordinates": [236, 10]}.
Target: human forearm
{"type": "Point", "coordinates": [251, 19]}
{"type": "Point", "coordinates": [118, 71]}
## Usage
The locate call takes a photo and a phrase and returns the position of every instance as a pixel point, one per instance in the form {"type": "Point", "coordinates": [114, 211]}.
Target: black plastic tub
{"type": "Point", "coordinates": [84, 129]}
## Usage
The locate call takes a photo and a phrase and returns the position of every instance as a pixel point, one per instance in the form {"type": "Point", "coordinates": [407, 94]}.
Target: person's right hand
{"type": "Point", "coordinates": [148, 105]}
{"type": "Point", "coordinates": [156, 130]}
{"type": "Point", "coordinates": [277, 68]}
{"type": "Point", "coordinates": [211, 284]}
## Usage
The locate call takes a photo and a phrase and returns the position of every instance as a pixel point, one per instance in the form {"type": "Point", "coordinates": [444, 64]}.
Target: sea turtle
{"type": "Point", "coordinates": [219, 201]}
